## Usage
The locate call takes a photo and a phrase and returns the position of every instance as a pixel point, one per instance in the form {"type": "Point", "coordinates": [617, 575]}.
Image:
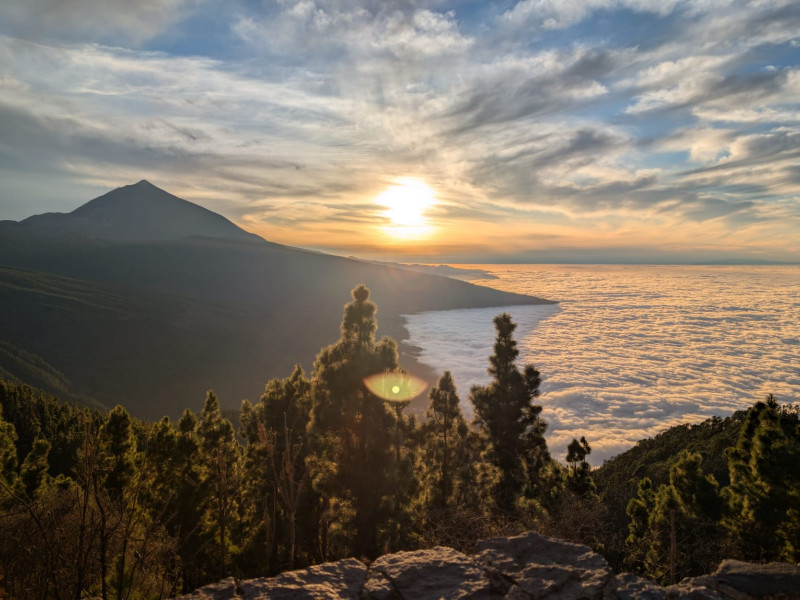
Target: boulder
{"type": "Point", "coordinates": [543, 567]}
{"type": "Point", "coordinates": [328, 581]}
{"type": "Point", "coordinates": [631, 587]}
{"type": "Point", "coordinates": [742, 581]}
{"type": "Point", "coordinates": [427, 575]}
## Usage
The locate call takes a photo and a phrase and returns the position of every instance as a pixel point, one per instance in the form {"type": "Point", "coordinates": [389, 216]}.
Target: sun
{"type": "Point", "coordinates": [406, 202]}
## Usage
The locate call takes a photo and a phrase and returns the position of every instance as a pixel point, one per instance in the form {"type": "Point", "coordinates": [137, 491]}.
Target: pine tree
{"type": "Point", "coordinates": [639, 510]}
{"type": "Point", "coordinates": [140, 546]}
{"type": "Point", "coordinates": [163, 479]}
{"type": "Point", "coordinates": [661, 561]}
{"type": "Point", "coordinates": [505, 412]}
{"type": "Point", "coordinates": [765, 484]}
{"type": "Point", "coordinates": [697, 492]}
{"type": "Point", "coordinates": [683, 523]}
{"type": "Point", "coordinates": [404, 480]}
{"type": "Point", "coordinates": [220, 460]}
{"type": "Point", "coordinates": [353, 433]}
{"type": "Point", "coordinates": [579, 475]}
{"type": "Point", "coordinates": [445, 452]}
{"type": "Point", "coordinates": [116, 465]}
{"type": "Point", "coordinates": [33, 470]}
{"type": "Point", "coordinates": [185, 512]}
{"type": "Point", "coordinates": [9, 481]}
{"type": "Point", "coordinates": [278, 487]}
{"type": "Point", "coordinates": [118, 449]}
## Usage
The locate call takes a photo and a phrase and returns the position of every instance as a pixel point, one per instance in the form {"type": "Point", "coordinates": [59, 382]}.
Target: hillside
{"type": "Point", "coordinates": [618, 477]}
{"type": "Point", "coordinates": [147, 300]}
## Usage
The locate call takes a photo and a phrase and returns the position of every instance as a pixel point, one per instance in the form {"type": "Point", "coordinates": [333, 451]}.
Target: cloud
{"type": "Point", "coordinates": [704, 209]}
{"type": "Point", "coordinates": [704, 87]}
{"type": "Point", "coordinates": [351, 32]}
{"type": "Point", "coordinates": [546, 156]}
{"type": "Point", "coordinates": [630, 351]}
{"type": "Point", "coordinates": [704, 144]}
{"type": "Point", "coordinates": [742, 25]}
{"type": "Point", "coordinates": [515, 90]}
{"type": "Point", "coordinates": [203, 115]}
{"type": "Point", "coordinates": [121, 20]}
{"type": "Point", "coordinates": [560, 14]}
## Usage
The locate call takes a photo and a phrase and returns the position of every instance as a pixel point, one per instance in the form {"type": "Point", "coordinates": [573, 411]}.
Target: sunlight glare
{"type": "Point", "coordinates": [406, 203]}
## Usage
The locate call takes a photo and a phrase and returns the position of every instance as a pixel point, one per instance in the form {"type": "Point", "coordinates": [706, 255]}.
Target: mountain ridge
{"type": "Point", "coordinates": [139, 212]}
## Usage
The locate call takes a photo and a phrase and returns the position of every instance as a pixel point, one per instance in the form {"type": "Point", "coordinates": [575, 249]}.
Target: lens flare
{"type": "Point", "coordinates": [395, 386]}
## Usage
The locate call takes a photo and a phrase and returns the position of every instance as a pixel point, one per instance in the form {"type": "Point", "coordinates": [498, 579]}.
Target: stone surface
{"type": "Point", "coordinates": [632, 587]}
{"type": "Point", "coordinates": [691, 591]}
{"type": "Point", "coordinates": [547, 568]}
{"type": "Point", "coordinates": [737, 580]}
{"type": "Point", "coordinates": [769, 579]}
{"type": "Point", "coordinates": [434, 573]}
{"type": "Point", "coordinates": [222, 590]}
{"type": "Point", "coordinates": [377, 587]}
{"type": "Point", "coordinates": [524, 567]}
{"type": "Point", "coordinates": [328, 581]}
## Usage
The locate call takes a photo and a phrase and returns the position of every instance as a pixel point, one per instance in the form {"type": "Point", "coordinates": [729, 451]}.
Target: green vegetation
{"type": "Point", "coordinates": [506, 415]}
{"type": "Point", "coordinates": [106, 505]}
{"type": "Point", "coordinates": [686, 526]}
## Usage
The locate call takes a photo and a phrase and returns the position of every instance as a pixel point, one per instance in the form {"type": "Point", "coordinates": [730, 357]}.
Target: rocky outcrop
{"type": "Point", "coordinates": [524, 567]}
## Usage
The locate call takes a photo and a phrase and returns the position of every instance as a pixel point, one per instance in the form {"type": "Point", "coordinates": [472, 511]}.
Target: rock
{"type": "Point", "coordinates": [328, 581]}
{"type": "Point", "coordinates": [378, 587]}
{"type": "Point", "coordinates": [632, 587]}
{"type": "Point", "coordinates": [429, 575]}
{"type": "Point", "coordinates": [222, 590]}
{"type": "Point", "coordinates": [691, 591]}
{"type": "Point", "coordinates": [547, 568]}
{"type": "Point", "coordinates": [737, 580]}
{"type": "Point", "coordinates": [523, 567]}
{"type": "Point", "coordinates": [772, 579]}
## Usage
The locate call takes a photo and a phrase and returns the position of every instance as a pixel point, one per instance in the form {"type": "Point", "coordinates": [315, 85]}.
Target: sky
{"type": "Point", "coordinates": [429, 131]}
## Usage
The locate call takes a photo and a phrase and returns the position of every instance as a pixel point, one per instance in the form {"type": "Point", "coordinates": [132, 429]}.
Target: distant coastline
{"type": "Point", "coordinates": [463, 274]}
{"type": "Point", "coordinates": [733, 262]}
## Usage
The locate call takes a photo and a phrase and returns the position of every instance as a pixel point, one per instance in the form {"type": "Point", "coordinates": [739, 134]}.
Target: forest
{"type": "Point", "coordinates": [330, 465]}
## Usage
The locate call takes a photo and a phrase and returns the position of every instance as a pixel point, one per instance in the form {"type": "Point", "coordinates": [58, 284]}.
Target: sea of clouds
{"type": "Point", "coordinates": [632, 350]}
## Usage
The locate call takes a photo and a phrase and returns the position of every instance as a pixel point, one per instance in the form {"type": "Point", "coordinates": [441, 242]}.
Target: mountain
{"type": "Point", "coordinates": [146, 300]}
{"type": "Point", "coordinates": [138, 212]}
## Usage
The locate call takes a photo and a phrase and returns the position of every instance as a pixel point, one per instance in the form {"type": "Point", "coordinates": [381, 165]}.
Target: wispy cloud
{"type": "Point", "coordinates": [124, 20]}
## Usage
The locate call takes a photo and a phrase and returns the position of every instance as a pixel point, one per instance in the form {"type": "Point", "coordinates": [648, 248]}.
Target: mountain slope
{"type": "Point", "coordinates": [153, 323]}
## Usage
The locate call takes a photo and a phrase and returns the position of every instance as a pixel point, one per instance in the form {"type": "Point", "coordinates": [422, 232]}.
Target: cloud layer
{"type": "Point", "coordinates": [568, 126]}
{"type": "Point", "coordinates": [630, 351]}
